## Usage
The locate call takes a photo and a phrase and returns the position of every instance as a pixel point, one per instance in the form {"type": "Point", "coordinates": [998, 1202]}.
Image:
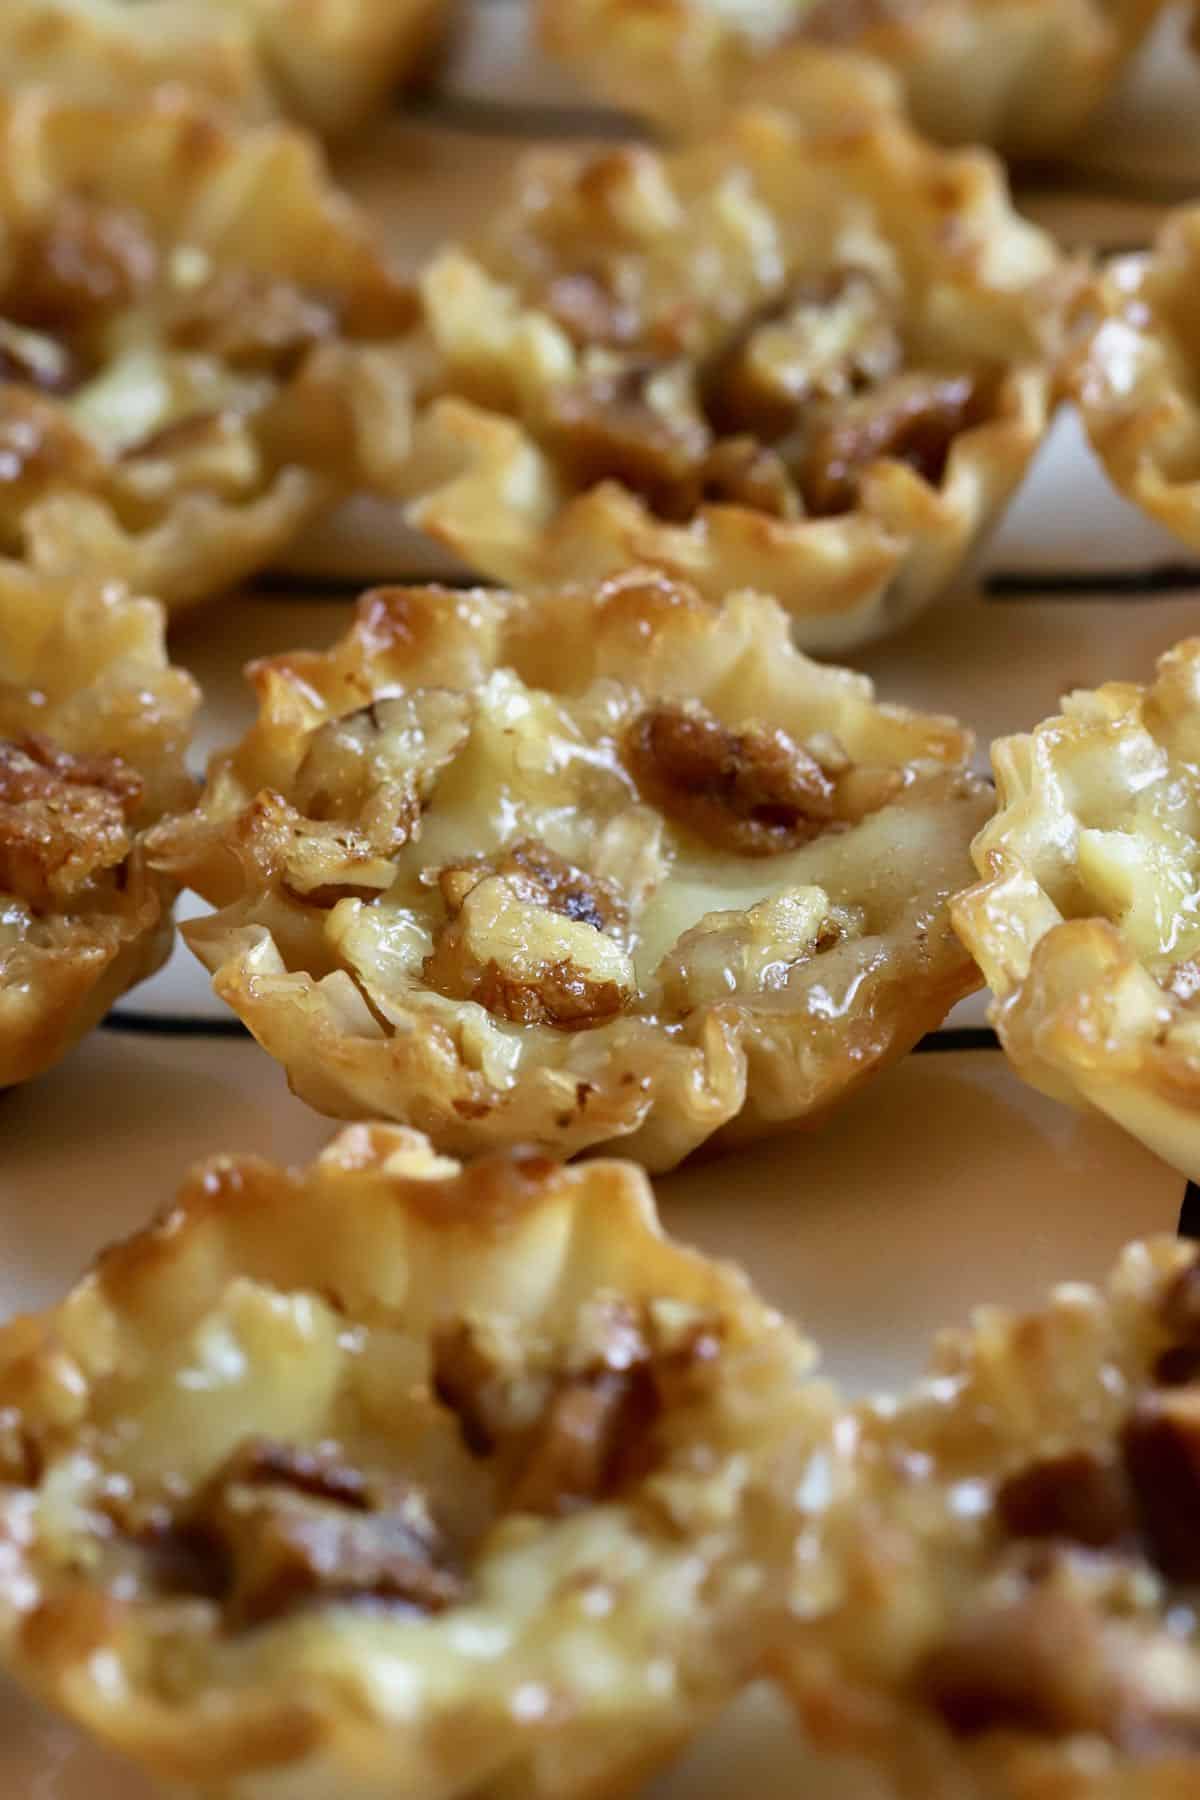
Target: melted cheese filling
{"type": "Point", "coordinates": [703, 924]}
{"type": "Point", "coordinates": [1128, 846]}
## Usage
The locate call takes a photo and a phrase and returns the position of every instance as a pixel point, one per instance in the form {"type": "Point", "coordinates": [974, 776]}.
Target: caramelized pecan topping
{"type": "Point", "coordinates": [298, 1526]}
{"type": "Point", "coordinates": [467, 1378]}
{"type": "Point", "coordinates": [38, 446]}
{"type": "Point", "coordinates": [593, 1430]}
{"type": "Point", "coordinates": [739, 471]}
{"type": "Point", "coordinates": [84, 263]}
{"type": "Point", "coordinates": [755, 792]}
{"type": "Point", "coordinates": [530, 953]}
{"type": "Point", "coordinates": [1161, 1446]}
{"type": "Point", "coordinates": [250, 321]}
{"type": "Point", "coordinates": [783, 418]}
{"type": "Point", "coordinates": [913, 419]}
{"type": "Point", "coordinates": [1077, 1496]}
{"type": "Point", "coordinates": [559, 995]}
{"type": "Point", "coordinates": [376, 767]}
{"type": "Point", "coordinates": [823, 338]}
{"type": "Point", "coordinates": [591, 1440]}
{"type": "Point", "coordinates": [63, 819]}
{"type": "Point", "coordinates": [547, 878]}
{"type": "Point", "coordinates": [1179, 1363]}
{"type": "Point", "coordinates": [1180, 1306]}
{"type": "Point", "coordinates": [1030, 1657]}
{"type": "Point", "coordinates": [605, 427]}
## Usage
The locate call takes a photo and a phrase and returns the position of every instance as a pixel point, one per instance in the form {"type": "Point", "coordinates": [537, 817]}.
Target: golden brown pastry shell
{"type": "Point", "coordinates": [330, 63]}
{"type": "Point", "coordinates": [588, 1645]}
{"type": "Point", "coordinates": [1080, 923]}
{"type": "Point", "coordinates": [221, 331]}
{"type": "Point", "coordinates": [1021, 75]}
{"type": "Point", "coordinates": [83, 667]}
{"type": "Point", "coordinates": [733, 1032]}
{"type": "Point", "coordinates": [1134, 377]}
{"type": "Point", "coordinates": [703, 239]}
{"type": "Point", "coordinates": [926, 1563]}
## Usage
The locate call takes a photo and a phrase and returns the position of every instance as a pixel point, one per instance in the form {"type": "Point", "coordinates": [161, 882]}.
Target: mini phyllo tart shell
{"type": "Point", "coordinates": [586, 866]}
{"type": "Point", "coordinates": [1086, 923]}
{"type": "Point", "coordinates": [329, 63]}
{"type": "Point", "coordinates": [94, 724]}
{"type": "Point", "coordinates": [1135, 378]}
{"type": "Point", "coordinates": [807, 359]}
{"type": "Point", "coordinates": [1016, 1556]}
{"type": "Point", "coordinates": [198, 342]}
{"type": "Point", "coordinates": [393, 1477]}
{"type": "Point", "coordinates": [1021, 75]}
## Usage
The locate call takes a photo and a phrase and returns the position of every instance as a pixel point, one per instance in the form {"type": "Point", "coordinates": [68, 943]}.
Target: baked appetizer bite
{"type": "Point", "coordinates": [194, 342]}
{"type": "Point", "coordinates": [392, 1477]}
{"type": "Point", "coordinates": [1015, 1556]}
{"type": "Point", "coordinates": [93, 728]}
{"type": "Point", "coordinates": [578, 867]}
{"type": "Point", "coordinates": [330, 63]}
{"type": "Point", "coordinates": [807, 360]}
{"type": "Point", "coordinates": [1023, 75]}
{"type": "Point", "coordinates": [1135, 379]}
{"type": "Point", "coordinates": [1085, 923]}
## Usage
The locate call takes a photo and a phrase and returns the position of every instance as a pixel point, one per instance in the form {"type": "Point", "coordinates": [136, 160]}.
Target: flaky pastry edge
{"type": "Point", "coordinates": [1077, 1013]}
{"type": "Point", "coordinates": [377, 1224]}
{"type": "Point", "coordinates": [491, 494]}
{"type": "Point", "coordinates": [341, 424]}
{"type": "Point", "coordinates": [730, 1074]}
{"type": "Point", "coordinates": [1020, 75]}
{"type": "Point", "coordinates": [126, 700]}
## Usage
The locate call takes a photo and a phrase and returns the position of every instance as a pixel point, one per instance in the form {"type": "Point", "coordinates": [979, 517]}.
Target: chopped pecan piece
{"type": "Point", "coordinates": [319, 1471]}
{"type": "Point", "coordinates": [63, 819]}
{"type": "Point", "coordinates": [1161, 1446]}
{"type": "Point", "coordinates": [38, 446]}
{"type": "Point", "coordinates": [1179, 1363]}
{"type": "Point", "coordinates": [608, 427]}
{"type": "Point", "coordinates": [755, 792]}
{"type": "Point", "coordinates": [579, 1433]}
{"type": "Point", "coordinates": [298, 1526]}
{"type": "Point", "coordinates": [559, 995]}
{"type": "Point", "coordinates": [86, 262]}
{"type": "Point", "coordinates": [823, 339]}
{"type": "Point", "coordinates": [738, 471]}
{"type": "Point", "coordinates": [1180, 1306]}
{"type": "Point", "coordinates": [559, 884]}
{"type": "Point", "coordinates": [1030, 1660]}
{"type": "Point", "coordinates": [1078, 1496]}
{"type": "Point", "coordinates": [468, 1376]}
{"type": "Point", "coordinates": [913, 419]}
{"type": "Point", "coordinates": [376, 767]}
{"type": "Point", "coordinates": [250, 321]}
{"type": "Point", "coordinates": [582, 1448]}
{"type": "Point", "coordinates": [1178, 1366]}
{"type": "Point", "coordinates": [510, 951]}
